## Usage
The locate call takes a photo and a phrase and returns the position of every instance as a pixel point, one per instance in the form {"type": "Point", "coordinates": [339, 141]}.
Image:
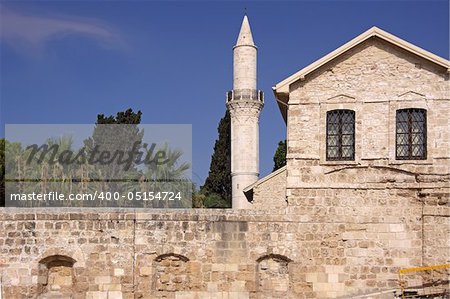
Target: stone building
{"type": "Point", "coordinates": [365, 192]}
{"type": "Point", "coordinates": [367, 162]}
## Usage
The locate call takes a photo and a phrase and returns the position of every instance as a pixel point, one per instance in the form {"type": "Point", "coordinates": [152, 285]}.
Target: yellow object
{"type": "Point", "coordinates": [436, 286]}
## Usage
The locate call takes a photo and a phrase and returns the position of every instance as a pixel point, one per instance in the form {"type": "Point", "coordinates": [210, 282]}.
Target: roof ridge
{"type": "Point", "coordinates": [373, 31]}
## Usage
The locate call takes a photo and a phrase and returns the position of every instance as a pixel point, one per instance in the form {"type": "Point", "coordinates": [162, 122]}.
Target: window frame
{"type": "Point", "coordinates": [409, 134]}
{"type": "Point", "coordinates": [340, 134]}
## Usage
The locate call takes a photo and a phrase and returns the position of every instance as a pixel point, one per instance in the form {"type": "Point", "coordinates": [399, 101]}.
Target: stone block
{"type": "Point", "coordinates": [397, 227]}
{"type": "Point", "coordinates": [231, 267]}
{"type": "Point", "coordinates": [212, 287]}
{"type": "Point", "coordinates": [115, 295]}
{"type": "Point", "coordinates": [97, 295]}
{"type": "Point", "coordinates": [145, 271]}
{"type": "Point", "coordinates": [102, 280]}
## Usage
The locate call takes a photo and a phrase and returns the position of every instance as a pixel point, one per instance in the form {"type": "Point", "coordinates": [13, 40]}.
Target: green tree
{"type": "Point", "coordinates": [214, 200]}
{"type": "Point", "coordinates": [279, 159]}
{"type": "Point", "coordinates": [13, 164]}
{"type": "Point", "coordinates": [127, 117]}
{"type": "Point", "coordinates": [198, 198]}
{"type": "Point", "coordinates": [218, 183]}
{"type": "Point", "coordinates": [169, 176]}
{"type": "Point", "coordinates": [49, 171]}
{"type": "Point", "coordinates": [107, 137]}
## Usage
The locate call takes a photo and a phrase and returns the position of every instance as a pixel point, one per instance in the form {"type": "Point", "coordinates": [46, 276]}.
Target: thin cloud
{"type": "Point", "coordinates": [35, 31]}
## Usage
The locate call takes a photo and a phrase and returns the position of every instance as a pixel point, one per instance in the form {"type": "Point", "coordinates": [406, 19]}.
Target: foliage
{"type": "Point", "coordinates": [214, 200]}
{"type": "Point", "coordinates": [218, 183]}
{"type": "Point", "coordinates": [128, 117]}
{"type": "Point", "coordinates": [110, 138]}
{"type": "Point", "coordinates": [170, 176]}
{"type": "Point", "coordinates": [279, 158]}
{"type": "Point", "coordinates": [80, 176]}
{"type": "Point", "coordinates": [197, 198]}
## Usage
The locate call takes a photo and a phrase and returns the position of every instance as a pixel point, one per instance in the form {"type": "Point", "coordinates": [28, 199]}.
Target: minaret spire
{"type": "Point", "coordinates": [245, 35]}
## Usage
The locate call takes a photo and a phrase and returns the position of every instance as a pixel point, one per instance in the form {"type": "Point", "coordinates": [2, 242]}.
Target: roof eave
{"type": "Point", "coordinates": [282, 99]}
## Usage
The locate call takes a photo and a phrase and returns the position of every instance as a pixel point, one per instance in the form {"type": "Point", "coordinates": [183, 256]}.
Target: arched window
{"type": "Point", "coordinates": [411, 134]}
{"type": "Point", "coordinates": [340, 135]}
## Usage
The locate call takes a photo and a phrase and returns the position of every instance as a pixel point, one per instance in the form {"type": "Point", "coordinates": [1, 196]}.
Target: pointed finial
{"type": "Point", "coordinates": [245, 35]}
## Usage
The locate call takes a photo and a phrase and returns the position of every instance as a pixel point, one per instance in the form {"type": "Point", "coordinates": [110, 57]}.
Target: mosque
{"type": "Point", "coordinates": [361, 209]}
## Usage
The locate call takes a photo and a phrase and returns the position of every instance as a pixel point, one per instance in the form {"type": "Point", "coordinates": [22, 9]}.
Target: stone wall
{"type": "Point", "coordinates": [270, 192]}
{"type": "Point", "coordinates": [127, 254]}
{"type": "Point", "coordinates": [436, 230]}
{"type": "Point", "coordinates": [287, 253]}
{"type": "Point", "coordinates": [373, 79]}
{"type": "Point", "coordinates": [386, 214]}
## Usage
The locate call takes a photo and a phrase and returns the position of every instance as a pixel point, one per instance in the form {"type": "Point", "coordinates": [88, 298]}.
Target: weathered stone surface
{"type": "Point", "coordinates": [334, 229]}
{"type": "Point", "coordinates": [319, 258]}
{"type": "Point", "coordinates": [245, 106]}
{"type": "Point", "coordinates": [375, 214]}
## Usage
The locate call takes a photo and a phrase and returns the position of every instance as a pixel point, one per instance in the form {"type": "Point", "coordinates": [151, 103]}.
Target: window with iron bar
{"type": "Point", "coordinates": [411, 134]}
{"type": "Point", "coordinates": [340, 135]}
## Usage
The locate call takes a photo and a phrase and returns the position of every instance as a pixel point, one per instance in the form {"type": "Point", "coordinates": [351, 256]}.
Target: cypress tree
{"type": "Point", "coordinates": [279, 159]}
{"type": "Point", "coordinates": [218, 181]}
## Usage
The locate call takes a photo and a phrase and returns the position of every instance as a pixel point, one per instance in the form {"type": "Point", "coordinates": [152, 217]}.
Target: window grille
{"type": "Point", "coordinates": [411, 134]}
{"type": "Point", "coordinates": [340, 135]}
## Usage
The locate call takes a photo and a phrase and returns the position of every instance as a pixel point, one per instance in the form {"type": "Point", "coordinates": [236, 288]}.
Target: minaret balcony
{"type": "Point", "coordinates": [245, 95]}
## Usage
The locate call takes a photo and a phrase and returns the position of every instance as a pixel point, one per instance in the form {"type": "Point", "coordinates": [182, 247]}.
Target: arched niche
{"type": "Point", "coordinates": [170, 273]}
{"type": "Point", "coordinates": [273, 275]}
{"type": "Point", "coordinates": [56, 276]}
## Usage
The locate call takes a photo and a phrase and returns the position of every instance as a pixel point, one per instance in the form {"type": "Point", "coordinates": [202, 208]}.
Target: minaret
{"type": "Point", "coordinates": [245, 103]}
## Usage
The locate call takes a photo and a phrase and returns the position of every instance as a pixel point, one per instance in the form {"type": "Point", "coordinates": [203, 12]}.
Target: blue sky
{"type": "Point", "coordinates": [67, 61]}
